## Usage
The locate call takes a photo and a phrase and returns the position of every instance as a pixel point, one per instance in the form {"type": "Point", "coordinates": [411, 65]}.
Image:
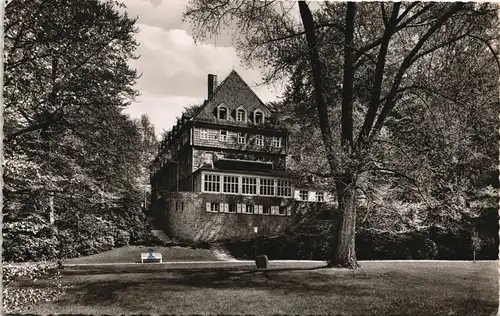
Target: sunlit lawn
{"type": "Point", "coordinates": [379, 288]}
{"type": "Point", "coordinates": [131, 254]}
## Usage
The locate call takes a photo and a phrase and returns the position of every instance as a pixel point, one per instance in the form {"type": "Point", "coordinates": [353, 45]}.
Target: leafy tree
{"type": "Point", "coordinates": [476, 244]}
{"type": "Point", "coordinates": [149, 147]}
{"type": "Point", "coordinates": [357, 63]}
{"type": "Point", "coordinates": [69, 151]}
{"type": "Point", "coordinates": [191, 110]}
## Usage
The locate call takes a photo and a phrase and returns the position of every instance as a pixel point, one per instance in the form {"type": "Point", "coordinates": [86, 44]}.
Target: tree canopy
{"type": "Point", "coordinates": [72, 158]}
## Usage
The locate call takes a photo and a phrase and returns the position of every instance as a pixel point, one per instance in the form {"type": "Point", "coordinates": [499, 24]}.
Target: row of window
{"type": "Point", "coordinates": [246, 185]}
{"type": "Point", "coordinates": [304, 196]}
{"type": "Point", "coordinates": [241, 114]}
{"type": "Point", "coordinates": [242, 138]}
{"type": "Point", "coordinates": [247, 209]}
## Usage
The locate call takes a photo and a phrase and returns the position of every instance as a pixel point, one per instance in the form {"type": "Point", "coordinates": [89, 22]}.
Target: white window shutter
{"type": "Point", "coordinates": [260, 209]}
{"type": "Point", "coordinates": [272, 210]}
{"type": "Point", "coordinates": [226, 208]}
{"type": "Point", "coordinates": [288, 211]}
{"type": "Point", "coordinates": [243, 208]}
{"type": "Point", "coordinates": [208, 207]}
{"type": "Point", "coordinates": [238, 208]}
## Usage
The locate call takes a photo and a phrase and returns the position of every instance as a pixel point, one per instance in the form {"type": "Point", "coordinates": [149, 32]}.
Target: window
{"type": "Point", "coordinates": [214, 207]}
{"type": "Point", "coordinates": [258, 117]}
{"type": "Point", "coordinates": [232, 208]}
{"type": "Point", "coordinates": [222, 112]}
{"type": "Point", "coordinates": [242, 138]}
{"type": "Point", "coordinates": [223, 136]}
{"type": "Point", "coordinates": [304, 195]}
{"type": "Point", "coordinates": [203, 134]}
{"type": "Point", "coordinates": [277, 142]}
{"type": "Point", "coordinates": [282, 211]}
{"type": "Point", "coordinates": [230, 184]}
{"type": "Point", "coordinates": [266, 186]}
{"type": "Point", "coordinates": [320, 196]}
{"type": "Point", "coordinates": [259, 140]}
{"type": "Point", "coordinates": [266, 210]}
{"type": "Point", "coordinates": [212, 183]}
{"type": "Point", "coordinates": [249, 209]}
{"type": "Point", "coordinates": [240, 115]}
{"type": "Point", "coordinates": [284, 188]}
{"type": "Point", "coordinates": [248, 185]}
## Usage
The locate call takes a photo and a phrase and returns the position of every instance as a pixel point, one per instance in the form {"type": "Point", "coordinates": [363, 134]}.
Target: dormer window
{"type": "Point", "coordinates": [222, 112]}
{"type": "Point", "coordinates": [241, 115]}
{"type": "Point", "coordinates": [258, 117]}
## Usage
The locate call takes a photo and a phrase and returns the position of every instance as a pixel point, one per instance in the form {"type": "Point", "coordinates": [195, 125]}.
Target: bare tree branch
{"type": "Point", "coordinates": [377, 42]}
{"type": "Point", "coordinates": [348, 80]}
{"type": "Point", "coordinates": [407, 62]}
{"type": "Point", "coordinates": [315, 61]}
{"type": "Point", "coordinates": [379, 75]}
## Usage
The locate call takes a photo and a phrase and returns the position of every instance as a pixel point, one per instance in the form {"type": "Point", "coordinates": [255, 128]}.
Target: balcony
{"type": "Point", "coordinates": [242, 164]}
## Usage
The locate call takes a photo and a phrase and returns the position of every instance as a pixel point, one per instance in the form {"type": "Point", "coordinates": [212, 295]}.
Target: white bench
{"type": "Point", "coordinates": [151, 257]}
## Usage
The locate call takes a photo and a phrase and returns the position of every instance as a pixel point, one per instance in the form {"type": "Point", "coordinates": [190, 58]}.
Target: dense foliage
{"type": "Point", "coordinates": [73, 162]}
{"type": "Point", "coordinates": [17, 298]}
{"type": "Point", "coordinates": [312, 241]}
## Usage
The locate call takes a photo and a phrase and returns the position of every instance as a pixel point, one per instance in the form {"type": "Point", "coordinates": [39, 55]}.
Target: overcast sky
{"type": "Point", "coordinates": [174, 69]}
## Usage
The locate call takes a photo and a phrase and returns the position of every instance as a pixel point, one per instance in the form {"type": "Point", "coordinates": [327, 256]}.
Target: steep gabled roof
{"type": "Point", "coordinates": [233, 92]}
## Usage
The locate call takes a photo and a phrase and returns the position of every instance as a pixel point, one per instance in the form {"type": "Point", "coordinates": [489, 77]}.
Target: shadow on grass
{"type": "Point", "coordinates": [182, 280]}
{"type": "Point", "coordinates": [152, 268]}
{"type": "Point", "coordinates": [380, 291]}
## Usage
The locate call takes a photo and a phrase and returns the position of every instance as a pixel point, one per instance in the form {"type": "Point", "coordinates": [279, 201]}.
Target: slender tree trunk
{"type": "Point", "coordinates": [345, 253]}
{"type": "Point", "coordinates": [51, 209]}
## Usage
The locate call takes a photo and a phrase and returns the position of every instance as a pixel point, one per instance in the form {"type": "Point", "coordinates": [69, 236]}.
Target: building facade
{"type": "Point", "coordinates": [226, 163]}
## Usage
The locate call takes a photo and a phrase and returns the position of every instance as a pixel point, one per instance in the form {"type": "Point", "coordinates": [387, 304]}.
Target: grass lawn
{"type": "Point", "coordinates": [378, 288]}
{"type": "Point", "coordinates": [133, 254]}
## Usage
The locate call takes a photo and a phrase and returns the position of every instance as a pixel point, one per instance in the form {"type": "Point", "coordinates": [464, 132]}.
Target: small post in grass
{"type": "Point", "coordinates": [256, 230]}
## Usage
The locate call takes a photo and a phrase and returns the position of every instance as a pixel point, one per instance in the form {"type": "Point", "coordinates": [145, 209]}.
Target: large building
{"type": "Point", "coordinates": [221, 171]}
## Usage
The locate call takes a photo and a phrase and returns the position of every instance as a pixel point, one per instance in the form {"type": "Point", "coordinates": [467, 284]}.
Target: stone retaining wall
{"type": "Point", "coordinates": [183, 216]}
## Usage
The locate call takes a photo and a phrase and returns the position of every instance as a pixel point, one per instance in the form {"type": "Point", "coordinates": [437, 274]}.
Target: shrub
{"type": "Point", "coordinates": [18, 298]}
{"type": "Point", "coordinates": [430, 249]}
{"type": "Point", "coordinates": [122, 238]}
{"type": "Point", "coordinates": [28, 240]}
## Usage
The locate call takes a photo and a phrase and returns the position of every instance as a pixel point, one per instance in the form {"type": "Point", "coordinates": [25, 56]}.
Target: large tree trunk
{"type": "Point", "coordinates": [344, 255]}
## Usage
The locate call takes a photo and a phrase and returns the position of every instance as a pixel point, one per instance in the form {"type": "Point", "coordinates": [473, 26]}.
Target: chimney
{"type": "Point", "coordinates": [212, 84]}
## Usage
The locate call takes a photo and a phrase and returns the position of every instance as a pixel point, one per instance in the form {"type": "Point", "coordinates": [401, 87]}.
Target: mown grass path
{"type": "Point", "coordinates": [378, 288]}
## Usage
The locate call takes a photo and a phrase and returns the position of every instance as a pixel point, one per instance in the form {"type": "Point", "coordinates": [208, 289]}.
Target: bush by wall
{"type": "Point", "coordinates": [433, 243]}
